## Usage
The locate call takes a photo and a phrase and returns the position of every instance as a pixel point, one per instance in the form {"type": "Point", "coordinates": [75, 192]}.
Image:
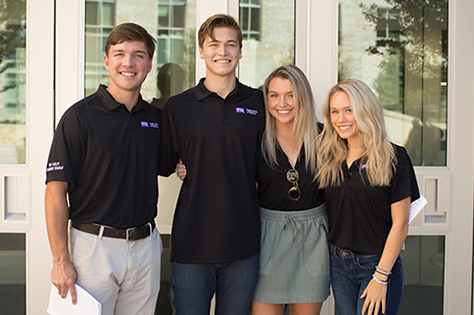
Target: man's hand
{"type": "Point", "coordinates": [64, 276]}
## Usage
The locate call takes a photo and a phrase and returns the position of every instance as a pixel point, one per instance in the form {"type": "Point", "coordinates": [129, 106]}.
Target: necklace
{"type": "Point", "coordinates": [355, 147]}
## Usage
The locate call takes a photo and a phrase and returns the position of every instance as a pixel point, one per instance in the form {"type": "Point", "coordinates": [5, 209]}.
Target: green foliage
{"type": "Point", "coordinates": [12, 35]}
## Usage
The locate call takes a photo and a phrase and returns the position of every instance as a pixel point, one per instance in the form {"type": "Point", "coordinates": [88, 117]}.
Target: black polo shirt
{"type": "Point", "coordinates": [217, 214]}
{"type": "Point", "coordinates": [360, 215]}
{"type": "Point", "coordinates": [273, 186]}
{"type": "Point", "coordinates": [109, 158]}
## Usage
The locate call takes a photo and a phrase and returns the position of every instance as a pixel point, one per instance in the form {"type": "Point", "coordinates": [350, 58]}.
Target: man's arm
{"type": "Point", "coordinates": [63, 274]}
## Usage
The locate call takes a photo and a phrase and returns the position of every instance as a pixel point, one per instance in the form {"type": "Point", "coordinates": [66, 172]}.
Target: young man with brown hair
{"type": "Point", "coordinates": [213, 128]}
{"type": "Point", "coordinates": [104, 162]}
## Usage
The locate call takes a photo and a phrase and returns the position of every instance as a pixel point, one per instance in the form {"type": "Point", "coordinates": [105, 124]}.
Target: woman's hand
{"type": "Point", "coordinates": [375, 298]}
{"type": "Point", "coordinates": [376, 293]}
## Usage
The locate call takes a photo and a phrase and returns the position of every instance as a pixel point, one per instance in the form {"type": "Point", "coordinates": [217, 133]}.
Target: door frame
{"type": "Point", "coordinates": [39, 126]}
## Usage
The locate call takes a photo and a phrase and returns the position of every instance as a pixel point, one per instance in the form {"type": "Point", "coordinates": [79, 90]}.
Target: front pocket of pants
{"type": "Point", "coordinates": [368, 261]}
{"type": "Point", "coordinates": [81, 246]}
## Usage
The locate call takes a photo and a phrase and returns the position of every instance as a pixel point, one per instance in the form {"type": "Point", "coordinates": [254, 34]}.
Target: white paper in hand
{"type": "Point", "coordinates": [86, 303]}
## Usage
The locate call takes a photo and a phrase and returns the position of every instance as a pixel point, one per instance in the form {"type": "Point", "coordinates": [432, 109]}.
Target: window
{"type": "Point", "coordinates": [268, 38]}
{"type": "Point", "coordinates": [100, 19]}
{"type": "Point", "coordinates": [13, 82]}
{"type": "Point", "coordinates": [13, 273]}
{"type": "Point", "coordinates": [250, 19]}
{"type": "Point", "coordinates": [399, 49]}
{"type": "Point", "coordinates": [171, 22]}
{"type": "Point", "coordinates": [176, 48]}
{"type": "Point", "coordinates": [423, 270]}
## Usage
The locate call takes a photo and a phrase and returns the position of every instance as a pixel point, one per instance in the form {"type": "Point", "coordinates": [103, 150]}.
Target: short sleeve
{"type": "Point", "coordinates": [66, 150]}
{"type": "Point", "coordinates": [404, 182]}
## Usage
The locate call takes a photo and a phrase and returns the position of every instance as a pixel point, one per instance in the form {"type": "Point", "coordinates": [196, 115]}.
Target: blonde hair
{"type": "Point", "coordinates": [305, 126]}
{"type": "Point", "coordinates": [332, 150]}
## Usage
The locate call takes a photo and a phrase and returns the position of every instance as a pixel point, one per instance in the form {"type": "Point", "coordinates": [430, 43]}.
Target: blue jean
{"type": "Point", "coordinates": [195, 284]}
{"type": "Point", "coordinates": [350, 275]}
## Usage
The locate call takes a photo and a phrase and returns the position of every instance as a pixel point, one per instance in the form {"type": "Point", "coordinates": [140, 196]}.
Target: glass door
{"type": "Point", "coordinates": [405, 52]}
{"type": "Point", "coordinates": [26, 111]}
{"type": "Point", "coordinates": [401, 51]}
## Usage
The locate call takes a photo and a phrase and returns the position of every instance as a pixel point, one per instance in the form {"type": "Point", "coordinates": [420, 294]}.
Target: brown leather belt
{"type": "Point", "coordinates": [130, 234]}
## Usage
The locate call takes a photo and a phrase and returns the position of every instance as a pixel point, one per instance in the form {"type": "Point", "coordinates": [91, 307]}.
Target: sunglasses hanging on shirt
{"type": "Point", "coordinates": [293, 176]}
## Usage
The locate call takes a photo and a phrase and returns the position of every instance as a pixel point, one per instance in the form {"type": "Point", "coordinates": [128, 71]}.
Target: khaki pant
{"type": "Point", "coordinates": [124, 276]}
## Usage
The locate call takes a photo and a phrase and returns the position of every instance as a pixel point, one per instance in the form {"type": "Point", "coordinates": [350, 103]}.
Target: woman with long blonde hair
{"type": "Point", "coordinates": [294, 257]}
{"type": "Point", "coordinates": [369, 184]}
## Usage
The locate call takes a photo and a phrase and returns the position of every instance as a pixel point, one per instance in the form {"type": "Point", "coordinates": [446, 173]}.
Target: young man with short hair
{"type": "Point", "coordinates": [213, 128]}
{"type": "Point", "coordinates": [104, 161]}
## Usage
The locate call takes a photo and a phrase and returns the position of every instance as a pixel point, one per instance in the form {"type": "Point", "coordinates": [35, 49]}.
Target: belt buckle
{"type": "Point", "coordinates": [128, 231]}
{"type": "Point", "coordinates": [151, 228]}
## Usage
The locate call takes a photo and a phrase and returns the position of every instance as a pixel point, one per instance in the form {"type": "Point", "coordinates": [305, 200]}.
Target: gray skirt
{"type": "Point", "coordinates": [294, 257]}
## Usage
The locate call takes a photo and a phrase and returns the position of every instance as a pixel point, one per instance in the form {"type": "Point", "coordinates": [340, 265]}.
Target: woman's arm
{"type": "Point", "coordinates": [376, 293]}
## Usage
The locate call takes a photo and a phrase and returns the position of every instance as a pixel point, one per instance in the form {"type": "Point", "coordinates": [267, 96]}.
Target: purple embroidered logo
{"type": "Point", "coordinates": [363, 167]}
{"type": "Point", "coordinates": [144, 124]}
{"type": "Point", "coordinates": [240, 110]}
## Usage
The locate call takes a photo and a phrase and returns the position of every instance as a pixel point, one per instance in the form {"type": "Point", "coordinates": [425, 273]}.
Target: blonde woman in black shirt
{"type": "Point", "coordinates": [369, 184]}
{"type": "Point", "coordinates": [294, 257]}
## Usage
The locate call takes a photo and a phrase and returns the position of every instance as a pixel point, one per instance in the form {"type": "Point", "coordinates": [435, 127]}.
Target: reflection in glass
{"type": "Point", "coordinates": [268, 30]}
{"type": "Point", "coordinates": [12, 82]}
{"type": "Point", "coordinates": [171, 22]}
{"type": "Point", "coordinates": [423, 268]}
{"type": "Point", "coordinates": [164, 304]}
{"type": "Point", "coordinates": [176, 51]}
{"type": "Point", "coordinates": [399, 48]}
{"type": "Point", "coordinates": [170, 81]}
{"type": "Point", "coordinates": [250, 19]}
{"type": "Point", "coordinates": [12, 273]}
{"type": "Point", "coordinates": [100, 17]}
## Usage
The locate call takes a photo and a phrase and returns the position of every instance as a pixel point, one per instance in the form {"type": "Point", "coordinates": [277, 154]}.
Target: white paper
{"type": "Point", "coordinates": [86, 303]}
{"type": "Point", "coordinates": [415, 207]}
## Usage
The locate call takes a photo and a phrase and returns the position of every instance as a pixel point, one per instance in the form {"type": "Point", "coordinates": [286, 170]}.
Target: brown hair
{"type": "Point", "coordinates": [218, 20]}
{"type": "Point", "coordinates": [130, 32]}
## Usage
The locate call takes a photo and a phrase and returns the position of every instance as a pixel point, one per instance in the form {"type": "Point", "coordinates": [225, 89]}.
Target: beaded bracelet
{"type": "Point", "coordinates": [379, 281]}
{"type": "Point", "coordinates": [388, 273]}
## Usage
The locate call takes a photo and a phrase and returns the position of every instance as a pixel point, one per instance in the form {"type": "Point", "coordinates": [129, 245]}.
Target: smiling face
{"type": "Point", "coordinates": [281, 101]}
{"type": "Point", "coordinates": [342, 118]}
{"type": "Point", "coordinates": [128, 64]}
{"type": "Point", "coordinates": [222, 53]}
